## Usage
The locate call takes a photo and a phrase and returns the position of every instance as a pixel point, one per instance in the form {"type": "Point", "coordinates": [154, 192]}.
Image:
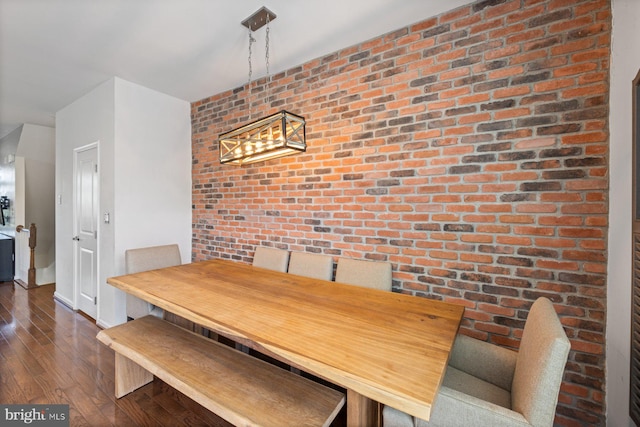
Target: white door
{"type": "Point", "coordinates": [86, 228]}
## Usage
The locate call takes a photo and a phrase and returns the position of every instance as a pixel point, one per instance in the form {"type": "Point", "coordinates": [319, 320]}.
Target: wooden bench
{"type": "Point", "coordinates": [237, 387]}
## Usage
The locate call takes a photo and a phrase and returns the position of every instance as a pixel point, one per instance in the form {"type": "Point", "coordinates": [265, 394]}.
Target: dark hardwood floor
{"type": "Point", "coordinates": [49, 355]}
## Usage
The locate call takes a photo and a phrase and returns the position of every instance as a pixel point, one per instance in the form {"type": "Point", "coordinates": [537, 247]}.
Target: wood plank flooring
{"type": "Point", "coordinates": [49, 355]}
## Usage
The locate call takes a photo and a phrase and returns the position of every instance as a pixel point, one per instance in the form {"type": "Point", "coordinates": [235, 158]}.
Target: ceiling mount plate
{"type": "Point", "coordinates": [259, 19]}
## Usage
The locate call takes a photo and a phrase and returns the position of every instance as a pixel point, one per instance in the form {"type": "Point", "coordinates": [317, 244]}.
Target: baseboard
{"type": "Point", "coordinates": [103, 325]}
{"type": "Point", "coordinates": [63, 300]}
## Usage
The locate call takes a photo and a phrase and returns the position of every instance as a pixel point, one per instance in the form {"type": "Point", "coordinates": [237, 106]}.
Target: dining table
{"type": "Point", "coordinates": [383, 348]}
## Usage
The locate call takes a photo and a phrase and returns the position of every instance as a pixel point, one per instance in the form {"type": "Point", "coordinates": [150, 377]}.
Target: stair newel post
{"type": "Point", "coordinates": [31, 278]}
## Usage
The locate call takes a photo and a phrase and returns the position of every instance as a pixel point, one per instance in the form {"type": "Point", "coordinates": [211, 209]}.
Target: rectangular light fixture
{"type": "Point", "coordinates": [278, 135]}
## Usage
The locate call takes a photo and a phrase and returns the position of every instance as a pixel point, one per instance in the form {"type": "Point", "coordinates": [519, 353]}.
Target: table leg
{"type": "Point", "coordinates": [129, 376]}
{"type": "Point", "coordinates": [362, 411]}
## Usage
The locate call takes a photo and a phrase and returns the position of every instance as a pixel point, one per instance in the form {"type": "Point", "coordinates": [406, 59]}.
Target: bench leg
{"type": "Point", "coordinates": [129, 376]}
{"type": "Point", "coordinates": [362, 411]}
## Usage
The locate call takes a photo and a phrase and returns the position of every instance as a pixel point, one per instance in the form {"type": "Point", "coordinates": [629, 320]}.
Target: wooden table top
{"type": "Point", "coordinates": [389, 347]}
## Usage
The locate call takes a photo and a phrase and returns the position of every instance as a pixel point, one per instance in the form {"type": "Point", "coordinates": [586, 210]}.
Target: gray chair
{"type": "Point", "coordinates": [488, 385]}
{"type": "Point", "coordinates": [311, 265]}
{"type": "Point", "coordinates": [271, 258]}
{"type": "Point", "coordinates": [145, 259]}
{"type": "Point", "coordinates": [369, 274]}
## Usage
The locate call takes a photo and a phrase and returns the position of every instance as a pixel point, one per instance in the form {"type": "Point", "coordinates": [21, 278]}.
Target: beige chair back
{"type": "Point", "coordinates": [145, 259]}
{"type": "Point", "coordinates": [151, 258]}
{"type": "Point", "coordinates": [315, 266]}
{"type": "Point", "coordinates": [271, 258]}
{"type": "Point", "coordinates": [369, 274]}
{"type": "Point", "coordinates": [542, 357]}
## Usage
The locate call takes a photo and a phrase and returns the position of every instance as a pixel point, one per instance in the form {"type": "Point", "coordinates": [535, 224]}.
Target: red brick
{"type": "Point", "coordinates": [466, 22]}
{"type": "Point", "coordinates": [455, 14]}
{"type": "Point", "coordinates": [512, 113]}
{"type": "Point", "coordinates": [528, 57]}
{"type": "Point", "coordinates": [591, 6]}
{"type": "Point", "coordinates": [553, 85]}
{"type": "Point", "coordinates": [506, 72]}
{"type": "Point", "coordinates": [511, 92]}
{"type": "Point", "coordinates": [575, 46]}
{"type": "Point", "coordinates": [485, 26]}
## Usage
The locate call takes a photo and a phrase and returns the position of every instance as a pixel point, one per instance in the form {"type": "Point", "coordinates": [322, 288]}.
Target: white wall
{"type": "Point", "coordinates": [37, 189]}
{"type": "Point", "coordinates": [28, 181]}
{"type": "Point", "coordinates": [152, 171]}
{"type": "Point", "coordinates": [37, 143]}
{"type": "Point", "coordinates": [19, 203]}
{"type": "Point", "coordinates": [152, 181]}
{"type": "Point", "coordinates": [39, 198]}
{"type": "Point", "coordinates": [145, 180]}
{"type": "Point", "coordinates": [624, 67]}
{"type": "Point", "coordinates": [87, 120]}
{"type": "Point", "coordinates": [8, 146]}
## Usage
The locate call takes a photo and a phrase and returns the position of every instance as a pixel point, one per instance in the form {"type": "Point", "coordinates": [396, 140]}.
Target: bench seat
{"type": "Point", "coordinates": [237, 387]}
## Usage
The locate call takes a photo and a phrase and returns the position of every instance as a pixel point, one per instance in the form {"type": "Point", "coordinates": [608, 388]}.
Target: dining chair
{"type": "Point", "coordinates": [311, 265]}
{"type": "Point", "coordinates": [488, 385]}
{"type": "Point", "coordinates": [271, 258]}
{"type": "Point", "coordinates": [144, 259]}
{"type": "Point", "coordinates": [370, 274]}
{"type": "Point", "coordinates": [153, 258]}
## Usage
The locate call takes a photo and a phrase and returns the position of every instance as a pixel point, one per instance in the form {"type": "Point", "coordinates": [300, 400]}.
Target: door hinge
{"type": "Point", "coordinates": [95, 300]}
{"type": "Point", "coordinates": [96, 167]}
{"type": "Point", "coordinates": [95, 234]}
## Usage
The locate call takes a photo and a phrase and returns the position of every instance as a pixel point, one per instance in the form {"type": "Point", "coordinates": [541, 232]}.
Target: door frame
{"type": "Point", "coordinates": [76, 287]}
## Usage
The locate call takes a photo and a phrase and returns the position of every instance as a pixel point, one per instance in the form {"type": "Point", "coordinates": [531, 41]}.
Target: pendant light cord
{"type": "Point", "coordinates": [251, 40]}
{"type": "Point", "coordinates": [266, 60]}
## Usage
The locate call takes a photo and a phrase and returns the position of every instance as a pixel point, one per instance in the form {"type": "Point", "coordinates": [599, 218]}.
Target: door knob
{"type": "Point", "coordinates": [76, 238]}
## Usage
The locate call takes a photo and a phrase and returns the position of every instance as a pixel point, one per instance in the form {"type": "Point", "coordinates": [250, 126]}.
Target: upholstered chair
{"type": "Point", "coordinates": [488, 385]}
{"type": "Point", "coordinates": [271, 258]}
{"type": "Point", "coordinates": [144, 259]}
{"type": "Point", "coordinates": [311, 265]}
{"type": "Point", "coordinates": [369, 274]}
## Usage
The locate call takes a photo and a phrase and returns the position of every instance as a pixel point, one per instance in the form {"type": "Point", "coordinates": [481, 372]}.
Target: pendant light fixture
{"type": "Point", "coordinates": [278, 135]}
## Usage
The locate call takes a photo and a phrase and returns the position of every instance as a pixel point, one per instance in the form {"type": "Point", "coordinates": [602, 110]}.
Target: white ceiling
{"type": "Point", "coordinates": [54, 51]}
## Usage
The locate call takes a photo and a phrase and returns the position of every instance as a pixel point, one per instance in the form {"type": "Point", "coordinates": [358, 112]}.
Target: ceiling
{"type": "Point", "coordinates": [54, 51]}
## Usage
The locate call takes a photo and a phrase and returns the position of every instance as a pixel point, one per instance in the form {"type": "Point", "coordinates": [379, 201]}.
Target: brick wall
{"type": "Point", "coordinates": [469, 149]}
